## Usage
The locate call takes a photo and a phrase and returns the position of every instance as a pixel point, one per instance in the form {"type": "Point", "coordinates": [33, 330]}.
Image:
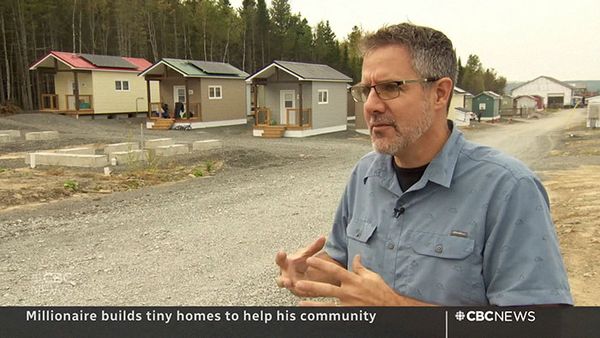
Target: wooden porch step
{"type": "Point", "coordinates": [273, 132]}
{"type": "Point", "coordinates": [163, 124]}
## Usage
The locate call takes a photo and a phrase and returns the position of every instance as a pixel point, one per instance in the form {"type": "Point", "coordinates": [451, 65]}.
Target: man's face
{"type": "Point", "coordinates": [396, 123]}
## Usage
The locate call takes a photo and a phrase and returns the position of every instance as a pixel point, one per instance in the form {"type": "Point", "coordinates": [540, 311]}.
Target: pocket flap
{"type": "Point", "coordinates": [450, 247]}
{"type": "Point", "coordinates": [360, 230]}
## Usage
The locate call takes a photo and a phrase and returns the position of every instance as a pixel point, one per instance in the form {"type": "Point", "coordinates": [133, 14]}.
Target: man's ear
{"type": "Point", "coordinates": [443, 93]}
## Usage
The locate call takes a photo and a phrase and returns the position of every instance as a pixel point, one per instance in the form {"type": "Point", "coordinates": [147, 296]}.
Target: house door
{"type": "Point", "coordinates": [287, 101]}
{"type": "Point", "coordinates": [178, 96]}
{"type": "Point", "coordinates": [70, 95]}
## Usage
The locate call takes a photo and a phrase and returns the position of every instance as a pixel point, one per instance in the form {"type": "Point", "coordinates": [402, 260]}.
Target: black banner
{"type": "Point", "coordinates": [299, 322]}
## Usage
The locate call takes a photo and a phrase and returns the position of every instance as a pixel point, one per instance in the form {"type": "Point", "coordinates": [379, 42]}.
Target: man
{"type": "Point", "coordinates": [429, 218]}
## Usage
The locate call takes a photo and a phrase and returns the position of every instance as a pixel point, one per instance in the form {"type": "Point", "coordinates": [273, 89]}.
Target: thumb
{"type": "Point", "coordinates": [357, 266]}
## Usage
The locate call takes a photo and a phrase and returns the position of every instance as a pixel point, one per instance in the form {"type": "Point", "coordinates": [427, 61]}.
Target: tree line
{"type": "Point", "coordinates": [249, 37]}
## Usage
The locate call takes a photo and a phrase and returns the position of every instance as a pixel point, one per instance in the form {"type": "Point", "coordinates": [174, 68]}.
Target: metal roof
{"type": "Point", "coordinates": [217, 68]}
{"type": "Point", "coordinates": [108, 61]}
{"type": "Point", "coordinates": [77, 61]}
{"type": "Point", "coordinates": [546, 77]}
{"type": "Point", "coordinates": [195, 68]}
{"type": "Point", "coordinates": [313, 71]}
{"type": "Point", "coordinates": [303, 71]}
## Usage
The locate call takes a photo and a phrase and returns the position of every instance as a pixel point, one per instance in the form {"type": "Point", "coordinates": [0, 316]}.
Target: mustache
{"type": "Point", "coordinates": [379, 120]}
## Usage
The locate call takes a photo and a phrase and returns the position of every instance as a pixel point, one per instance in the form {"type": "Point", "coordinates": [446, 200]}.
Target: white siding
{"type": "Point", "coordinates": [544, 87]}
{"type": "Point", "coordinates": [526, 102]}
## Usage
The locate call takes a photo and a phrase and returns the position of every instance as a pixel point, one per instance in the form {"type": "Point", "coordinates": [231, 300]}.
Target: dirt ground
{"type": "Point", "coordinates": [571, 178]}
{"type": "Point", "coordinates": [575, 202]}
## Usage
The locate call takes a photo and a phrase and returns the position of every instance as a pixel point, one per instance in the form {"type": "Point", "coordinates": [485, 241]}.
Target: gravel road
{"type": "Point", "coordinates": [204, 241]}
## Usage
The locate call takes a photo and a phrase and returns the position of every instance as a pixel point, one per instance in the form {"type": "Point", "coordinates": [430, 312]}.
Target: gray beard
{"type": "Point", "coordinates": [404, 136]}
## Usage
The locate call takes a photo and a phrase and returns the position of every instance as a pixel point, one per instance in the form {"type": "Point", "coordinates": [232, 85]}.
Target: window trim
{"type": "Point", "coordinates": [215, 97]}
{"type": "Point", "coordinates": [326, 96]}
{"type": "Point", "coordinates": [121, 82]}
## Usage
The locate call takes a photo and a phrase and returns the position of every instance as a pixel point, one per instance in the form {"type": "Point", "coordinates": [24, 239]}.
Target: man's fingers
{"type": "Point", "coordinates": [310, 303]}
{"type": "Point", "coordinates": [315, 247]}
{"type": "Point", "coordinates": [280, 259]}
{"type": "Point", "coordinates": [357, 266]}
{"type": "Point", "coordinates": [331, 269]}
{"type": "Point", "coordinates": [317, 289]}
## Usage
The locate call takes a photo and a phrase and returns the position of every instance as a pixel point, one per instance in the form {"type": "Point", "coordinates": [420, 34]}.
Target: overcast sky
{"type": "Point", "coordinates": [521, 39]}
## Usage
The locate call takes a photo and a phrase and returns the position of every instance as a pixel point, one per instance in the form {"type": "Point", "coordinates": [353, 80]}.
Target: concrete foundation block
{"type": "Point", "coordinates": [11, 133]}
{"type": "Point", "coordinates": [41, 135]}
{"type": "Point", "coordinates": [174, 149]}
{"type": "Point", "coordinates": [206, 145]}
{"type": "Point", "coordinates": [158, 142]}
{"type": "Point", "coordinates": [121, 147]}
{"type": "Point", "coordinates": [5, 138]}
{"type": "Point", "coordinates": [78, 151]}
{"type": "Point", "coordinates": [68, 160]}
{"type": "Point", "coordinates": [123, 157]}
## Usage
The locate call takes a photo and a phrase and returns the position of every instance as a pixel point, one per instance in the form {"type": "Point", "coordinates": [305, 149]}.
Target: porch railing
{"type": "Point", "coordinates": [295, 119]}
{"type": "Point", "coordinates": [263, 116]}
{"type": "Point", "coordinates": [85, 102]}
{"type": "Point", "coordinates": [195, 108]}
{"type": "Point", "coordinates": [49, 102]}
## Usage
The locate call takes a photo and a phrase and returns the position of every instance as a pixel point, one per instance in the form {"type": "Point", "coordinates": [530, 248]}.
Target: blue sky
{"type": "Point", "coordinates": [520, 39]}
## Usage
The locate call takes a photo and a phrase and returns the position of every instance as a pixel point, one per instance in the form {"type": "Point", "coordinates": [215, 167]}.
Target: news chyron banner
{"type": "Point", "coordinates": [299, 322]}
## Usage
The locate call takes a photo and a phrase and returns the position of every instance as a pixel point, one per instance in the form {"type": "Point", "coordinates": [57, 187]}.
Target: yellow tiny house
{"type": "Point", "coordinates": [86, 84]}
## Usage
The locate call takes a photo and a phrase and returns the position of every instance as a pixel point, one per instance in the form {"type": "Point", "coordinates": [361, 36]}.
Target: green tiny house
{"type": "Point", "coordinates": [487, 104]}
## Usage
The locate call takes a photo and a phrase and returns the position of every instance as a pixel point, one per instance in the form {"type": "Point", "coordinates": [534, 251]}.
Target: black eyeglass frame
{"type": "Point", "coordinates": [354, 90]}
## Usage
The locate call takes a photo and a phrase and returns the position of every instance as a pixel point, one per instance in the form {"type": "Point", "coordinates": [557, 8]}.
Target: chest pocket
{"type": "Point", "coordinates": [449, 247]}
{"type": "Point", "coordinates": [361, 241]}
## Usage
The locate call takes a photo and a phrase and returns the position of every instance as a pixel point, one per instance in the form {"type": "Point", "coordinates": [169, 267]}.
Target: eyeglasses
{"type": "Point", "coordinates": [385, 91]}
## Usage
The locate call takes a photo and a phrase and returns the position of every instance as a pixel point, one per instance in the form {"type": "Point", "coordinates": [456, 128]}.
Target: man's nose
{"type": "Point", "coordinates": [373, 103]}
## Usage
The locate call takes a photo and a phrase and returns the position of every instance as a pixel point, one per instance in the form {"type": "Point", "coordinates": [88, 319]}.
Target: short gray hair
{"type": "Point", "coordinates": [431, 51]}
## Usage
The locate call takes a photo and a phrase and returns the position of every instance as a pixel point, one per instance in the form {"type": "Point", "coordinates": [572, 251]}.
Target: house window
{"type": "Point", "coordinates": [122, 86]}
{"type": "Point", "coordinates": [215, 92]}
{"type": "Point", "coordinates": [323, 96]}
{"type": "Point", "coordinates": [482, 106]}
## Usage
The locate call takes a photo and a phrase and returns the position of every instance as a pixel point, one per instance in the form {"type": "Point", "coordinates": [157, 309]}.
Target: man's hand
{"type": "Point", "coordinates": [293, 268]}
{"type": "Point", "coordinates": [361, 287]}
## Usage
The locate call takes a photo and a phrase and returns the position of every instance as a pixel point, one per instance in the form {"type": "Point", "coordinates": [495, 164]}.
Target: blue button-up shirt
{"type": "Point", "coordinates": [475, 229]}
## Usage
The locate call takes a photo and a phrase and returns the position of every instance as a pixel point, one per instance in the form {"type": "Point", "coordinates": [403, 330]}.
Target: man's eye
{"type": "Point", "coordinates": [388, 87]}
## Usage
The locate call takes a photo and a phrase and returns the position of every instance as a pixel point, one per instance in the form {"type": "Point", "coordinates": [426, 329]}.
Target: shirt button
{"type": "Point", "coordinates": [390, 246]}
{"type": "Point", "coordinates": [439, 248]}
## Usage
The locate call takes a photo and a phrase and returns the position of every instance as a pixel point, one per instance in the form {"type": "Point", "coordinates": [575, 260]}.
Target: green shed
{"type": "Point", "coordinates": [487, 104]}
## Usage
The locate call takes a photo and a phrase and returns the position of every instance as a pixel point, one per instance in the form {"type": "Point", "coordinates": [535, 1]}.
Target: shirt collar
{"type": "Point", "coordinates": [440, 170]}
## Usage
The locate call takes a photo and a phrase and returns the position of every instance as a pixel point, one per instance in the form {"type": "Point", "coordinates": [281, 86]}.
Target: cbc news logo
{"type": "Point", "coordinates": [495, 316]}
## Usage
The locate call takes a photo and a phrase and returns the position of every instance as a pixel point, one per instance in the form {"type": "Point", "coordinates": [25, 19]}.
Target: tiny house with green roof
{"type": "Point", "coordinates": [197, 93]}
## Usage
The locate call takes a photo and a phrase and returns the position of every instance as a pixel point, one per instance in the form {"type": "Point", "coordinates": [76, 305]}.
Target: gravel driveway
{"type": "Point", "coordinates": [205, 241]}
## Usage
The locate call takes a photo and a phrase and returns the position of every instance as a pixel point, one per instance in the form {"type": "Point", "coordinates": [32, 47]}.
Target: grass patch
{"type": "Point", "coordinates": [71, 185]}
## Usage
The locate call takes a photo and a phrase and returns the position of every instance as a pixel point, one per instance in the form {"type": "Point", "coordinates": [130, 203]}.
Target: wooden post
{"type": "Point", "coordinates": [76, 92]}
{"type": "Point", "coordinates": [255, 101]}
{"type": "Point", "coordinates": [148, 99]}
{"type": "Point", "coordinates": [187, 99]}
{"type": "Point", "coordinates": [300, 115]}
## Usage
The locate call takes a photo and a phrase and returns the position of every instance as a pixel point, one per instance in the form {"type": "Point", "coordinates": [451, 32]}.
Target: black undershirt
{"type": "Point", "coordinates": [408, 176]}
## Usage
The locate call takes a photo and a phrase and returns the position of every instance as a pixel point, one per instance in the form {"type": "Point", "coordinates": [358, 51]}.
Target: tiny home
{"type": "Point", "coordinates": [87, 84]}
{"type": "Point", "coordinates": [299, 99]}
{"type": "Point", "coordinates": [196, 93]}
{"type": "Point", "coordinates": [487, 105]}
